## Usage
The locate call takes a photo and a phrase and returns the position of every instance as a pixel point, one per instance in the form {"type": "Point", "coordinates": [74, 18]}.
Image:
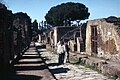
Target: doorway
{"type": "Point", "coordinates": [94, 39]}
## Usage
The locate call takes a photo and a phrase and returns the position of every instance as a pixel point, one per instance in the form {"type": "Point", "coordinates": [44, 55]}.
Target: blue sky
{"type": "Point", "coordinates": [37, 9]}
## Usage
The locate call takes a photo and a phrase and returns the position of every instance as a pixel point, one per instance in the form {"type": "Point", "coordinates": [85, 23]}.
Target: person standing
{"type": "Point", "coordinates": [67, 53]}
{"type": "Point", "coordinates": [61, 52]}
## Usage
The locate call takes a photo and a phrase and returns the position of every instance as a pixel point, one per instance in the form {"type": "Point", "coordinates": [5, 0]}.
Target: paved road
{"type": "Point", "coordinates": [41, 64]}
{"type": "Point", "coordinates": [68, 71]}
{"type": "Point", "coordinates": [30, 67]}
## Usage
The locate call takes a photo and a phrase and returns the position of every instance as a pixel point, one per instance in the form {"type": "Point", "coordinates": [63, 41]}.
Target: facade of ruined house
{"type": "Point", "coordinates": [14, 35]}
{"type": "Point", "coordinates": [66, 33]}
{"type": "Point", "coordinates": [102, 39]}
{"type": "Point", "coordinates": [6, 36]}
{"type": "Point", "coordinates": [80, 41]}
{"type": "Point", "coordinates": [71, 34]}
{"type": "Point", "coordinates": [73, 46]}
{"type": "Point", "coordinates": [22, 25]}
{"type": "Point", "coordinates": [80, 45]}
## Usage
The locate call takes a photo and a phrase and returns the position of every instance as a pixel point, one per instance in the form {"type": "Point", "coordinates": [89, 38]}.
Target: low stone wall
{"type": "Point", "coordinates": [104, 66]}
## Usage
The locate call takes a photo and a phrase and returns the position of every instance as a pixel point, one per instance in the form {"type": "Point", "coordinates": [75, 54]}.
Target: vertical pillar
{"type": "Point", "coordinates": [55, 36]}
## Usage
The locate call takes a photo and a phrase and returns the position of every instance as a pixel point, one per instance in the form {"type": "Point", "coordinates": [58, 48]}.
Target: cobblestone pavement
{"type": "Point", "coordinates": [68, 71]}
{"type": "Point", "coordinates": [30, 67]}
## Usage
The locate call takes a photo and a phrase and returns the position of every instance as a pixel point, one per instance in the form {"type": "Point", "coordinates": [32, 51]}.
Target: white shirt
{"type": "Point", "coordinates": [60, 49]}
{"type": "Point", "coordinates": [58, 43]}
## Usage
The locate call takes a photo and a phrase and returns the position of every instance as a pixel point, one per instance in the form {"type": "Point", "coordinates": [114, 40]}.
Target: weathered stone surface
{"type": "Point", "coordinates": [30, 67]}
{"type": "Point", "coordinates": [103, 39]}
{"type": "Point", "coordinates": [70, 71]}
{"type": "Point", "coordinates": [6, 36]}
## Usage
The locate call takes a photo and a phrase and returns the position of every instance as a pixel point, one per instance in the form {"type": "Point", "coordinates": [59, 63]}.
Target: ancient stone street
{"type": "Point", "coordinates": [38, 63]}
{"type": "Point", "coordinates": [30, 67]}
{"type": "Point", "coordinates": [68, 71]}
{"type": "Point", "coordinates": [31, 44]}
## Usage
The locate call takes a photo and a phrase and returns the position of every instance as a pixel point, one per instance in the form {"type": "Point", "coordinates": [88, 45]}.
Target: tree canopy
{"type": "Point", "coordinates": [66, 12]}
{"type": "Point", "coordinates": [35, 25]}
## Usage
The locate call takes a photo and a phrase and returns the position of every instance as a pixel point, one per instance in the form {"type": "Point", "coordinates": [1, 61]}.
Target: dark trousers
{"type": "Point", "coordinates": [67, 60]}
{"type": "Point", "coordinates": [61, 58]}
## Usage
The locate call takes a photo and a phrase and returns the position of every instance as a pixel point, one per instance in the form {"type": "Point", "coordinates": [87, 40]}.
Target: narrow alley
{"type": "Point", "coordinates": [30, 67]}
{"type": "Point", "coordinates": [39, 64]}
{"type": "Point", "coordinates": [30, 50]}
{"type": "Point", "coordinates": [69, 71]}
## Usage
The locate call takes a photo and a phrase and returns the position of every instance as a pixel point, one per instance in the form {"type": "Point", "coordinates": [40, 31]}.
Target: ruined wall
{"type": "Point", "coordinates": [107, 38]}
{"type": "Point", "coordinates": [51, 38]}
{"type": "Point", "coordinates": [14, 34]}
{"type": "Point", "coordinates": [59, 32]}
{"type": "Point", "coordinates": [73, 46]}
{"type": "Point", "coordinates": [80, 45]}
{"type": "Point", "coordinates": [22, 26]}
{"type": "Point", "coordinates": [55, 36]}
{"type": "Point", "coordinates": [6, 45]}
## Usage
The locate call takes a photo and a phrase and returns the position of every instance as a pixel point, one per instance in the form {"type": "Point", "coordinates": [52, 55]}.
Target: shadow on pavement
{"type": "Point", "coordinates": [10, 74]}
{"type": "Point", "coordinates": [41, 46]}
{"type": "Point", "coordinates": [59, 70]}
{"type": "Point", "coordinates": [31, 54]}
{"type": "Point", "coordinates": [25, 77]}
{"type": "Point", "coordinates": [30, 62]}
{"type": "Point", "coordinates": [30, 57]}
{"type": "Point", "coordinates": [53, 71]}
{"type": "Point", "coordinates": [53, 64]}
{"type": "Point", "coordinates": [30, 65]}
{"type": "Point", "coordinates": [27, 68]}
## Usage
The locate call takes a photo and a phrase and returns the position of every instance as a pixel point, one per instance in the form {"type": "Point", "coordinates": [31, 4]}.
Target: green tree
{"type": "Point", "coordinates": [66, 12]}
{"type": "Point", "coordinates": [35, 25]}
{"type": "Point", "coordinates": [34, 29]}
